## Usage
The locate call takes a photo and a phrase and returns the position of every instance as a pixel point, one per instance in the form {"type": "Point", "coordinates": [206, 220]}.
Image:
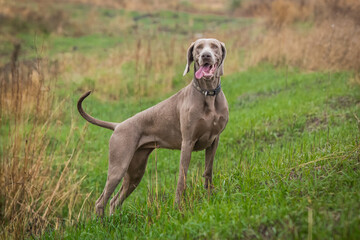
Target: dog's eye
{"type": "Point", "coordinates": [199, 47]}
{"type": "Point", "coordinates": [214, 46]}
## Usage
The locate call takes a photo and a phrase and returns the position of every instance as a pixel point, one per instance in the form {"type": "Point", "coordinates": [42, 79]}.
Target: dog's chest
{"type": "Point", "coordinates": [209, 126]}
{"type": "Point", "coordinates": [213, 122]}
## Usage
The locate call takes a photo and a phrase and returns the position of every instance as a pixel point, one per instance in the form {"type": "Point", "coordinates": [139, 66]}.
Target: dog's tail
{"type": "Point", "coordinates": [91, 119]}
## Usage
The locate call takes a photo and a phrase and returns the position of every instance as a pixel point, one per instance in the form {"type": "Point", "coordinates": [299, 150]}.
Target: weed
{"type": "Point", "coordinates": [37, 182]}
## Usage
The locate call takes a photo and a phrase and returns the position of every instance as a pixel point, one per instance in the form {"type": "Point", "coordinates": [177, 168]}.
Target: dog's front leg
{"type": "Point", "coordinates": [209, 160]}
{"type": "Point", "coordinates": [186, 149]}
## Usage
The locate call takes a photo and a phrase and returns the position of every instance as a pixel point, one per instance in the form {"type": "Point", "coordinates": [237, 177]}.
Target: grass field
{"type": "Point", "coordinates": [287, 166]}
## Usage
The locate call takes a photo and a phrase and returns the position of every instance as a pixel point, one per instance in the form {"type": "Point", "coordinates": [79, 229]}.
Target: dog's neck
{"type": "Point", "coordinates": [202, 86]}
{"type": "Point", "coordinates": [207, 87]}
{"type": "Point", "coordinates": [208, 84]}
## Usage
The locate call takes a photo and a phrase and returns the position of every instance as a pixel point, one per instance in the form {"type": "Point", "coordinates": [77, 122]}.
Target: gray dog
{"type": "Point", "coordinates": [190, 120]}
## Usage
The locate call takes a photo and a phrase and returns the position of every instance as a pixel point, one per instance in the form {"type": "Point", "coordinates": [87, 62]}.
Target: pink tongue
{"type": "Point", "coordinates": [200, 73]}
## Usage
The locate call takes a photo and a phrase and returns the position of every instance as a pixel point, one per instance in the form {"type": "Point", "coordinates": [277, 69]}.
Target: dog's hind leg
{"type": "Point", "coordinates": [132, 177]}
{"type": "Point", "coordinates": [122, 148]}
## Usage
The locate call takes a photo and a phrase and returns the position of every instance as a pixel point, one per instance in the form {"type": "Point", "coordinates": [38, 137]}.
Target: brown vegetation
{"type": "Point", "coordinates": [199, 6]}
{"type": "Point", "coordinates": [327, 46]}
{"type": "Point", "coordinates": [35, 187]}
{"type": "Point", "coordinates": [313, 35]}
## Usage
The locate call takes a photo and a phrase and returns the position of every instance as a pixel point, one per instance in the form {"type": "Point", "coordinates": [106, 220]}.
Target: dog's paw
{"type": "Point", "coordinates": [209, 186]}
{"type": "Point", "coordinates": [99, 211]}
{"type": "Point", "coordinates": [113, 207]}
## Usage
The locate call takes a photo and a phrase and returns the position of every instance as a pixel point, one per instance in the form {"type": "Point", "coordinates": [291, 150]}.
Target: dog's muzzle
{"type": "Point", "coordinates": [206, 70]}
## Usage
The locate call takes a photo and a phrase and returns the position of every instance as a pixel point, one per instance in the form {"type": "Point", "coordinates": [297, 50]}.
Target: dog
{"type": "Point", "coordinates": [190, 120]}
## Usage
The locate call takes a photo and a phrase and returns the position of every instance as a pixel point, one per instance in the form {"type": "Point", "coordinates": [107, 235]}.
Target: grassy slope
{"type": "Point", "coordinates": [285, 166]}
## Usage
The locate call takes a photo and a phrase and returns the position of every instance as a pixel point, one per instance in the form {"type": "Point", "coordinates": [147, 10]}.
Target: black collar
{"type": "Point", "coordinates": [213, 92]}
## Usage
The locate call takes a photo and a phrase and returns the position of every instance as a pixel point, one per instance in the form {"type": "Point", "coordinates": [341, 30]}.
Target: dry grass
{"type": "Point", "coordinates": [289, 11]}
{"type": "Point", "coordinates": [143, 67]}
{"type": "Point", "coordinates": [327, 46]}
{"type": "Point", "coordinates": [37, 183]}
{"type": "Point", "coordinates": [200, 6]}
{"type": "Point", "coordinates": [21, 15]}
{"type": "Point", "coordinates": [321, 35]}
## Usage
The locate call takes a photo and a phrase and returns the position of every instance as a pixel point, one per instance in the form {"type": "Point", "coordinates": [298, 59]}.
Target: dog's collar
{"type": "Point", "coordinates": [213, 92]}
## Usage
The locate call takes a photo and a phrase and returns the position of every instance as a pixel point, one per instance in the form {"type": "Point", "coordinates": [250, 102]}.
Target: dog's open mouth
{"type": "Point", "coordinates": [206, 71]}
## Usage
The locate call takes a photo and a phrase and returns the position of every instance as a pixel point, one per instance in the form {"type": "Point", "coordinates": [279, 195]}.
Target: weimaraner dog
{"type": "Point", "coordinates": [190, 120]}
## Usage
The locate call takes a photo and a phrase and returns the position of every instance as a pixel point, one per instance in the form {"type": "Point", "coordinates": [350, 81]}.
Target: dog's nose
{"type": "Point", "coordinates": [206, 55]}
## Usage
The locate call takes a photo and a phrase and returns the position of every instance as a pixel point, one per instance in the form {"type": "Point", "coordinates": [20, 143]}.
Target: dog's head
{"type": "Point", "coordinates": [208, 55]}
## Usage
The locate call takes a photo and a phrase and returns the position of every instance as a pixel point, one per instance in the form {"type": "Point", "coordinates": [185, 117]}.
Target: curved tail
{"type": "Point", "coordinates": [91, 119]}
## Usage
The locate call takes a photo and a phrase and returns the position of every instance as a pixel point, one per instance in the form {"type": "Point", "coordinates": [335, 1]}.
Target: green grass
{"type": "Point", "coordinates": [287, 166]}
{"type": "Point", "coordinates": [49, 45]}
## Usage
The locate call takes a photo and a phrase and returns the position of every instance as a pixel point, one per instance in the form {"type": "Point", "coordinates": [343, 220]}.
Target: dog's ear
{"type": "Point", "coordinates": [221, 67]}
{"type": "Point", "coordinates": [190, 58]}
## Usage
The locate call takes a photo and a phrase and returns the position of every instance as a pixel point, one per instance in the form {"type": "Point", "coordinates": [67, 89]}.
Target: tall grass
{"type": "Point", "coordinates": [140, 67]}
{"type": "Point", "coordinates": [37, 182]}
{"type": "Point", "coordinates": [313, 35]}
{"type": "Point", "coordinates": [330, 45]}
